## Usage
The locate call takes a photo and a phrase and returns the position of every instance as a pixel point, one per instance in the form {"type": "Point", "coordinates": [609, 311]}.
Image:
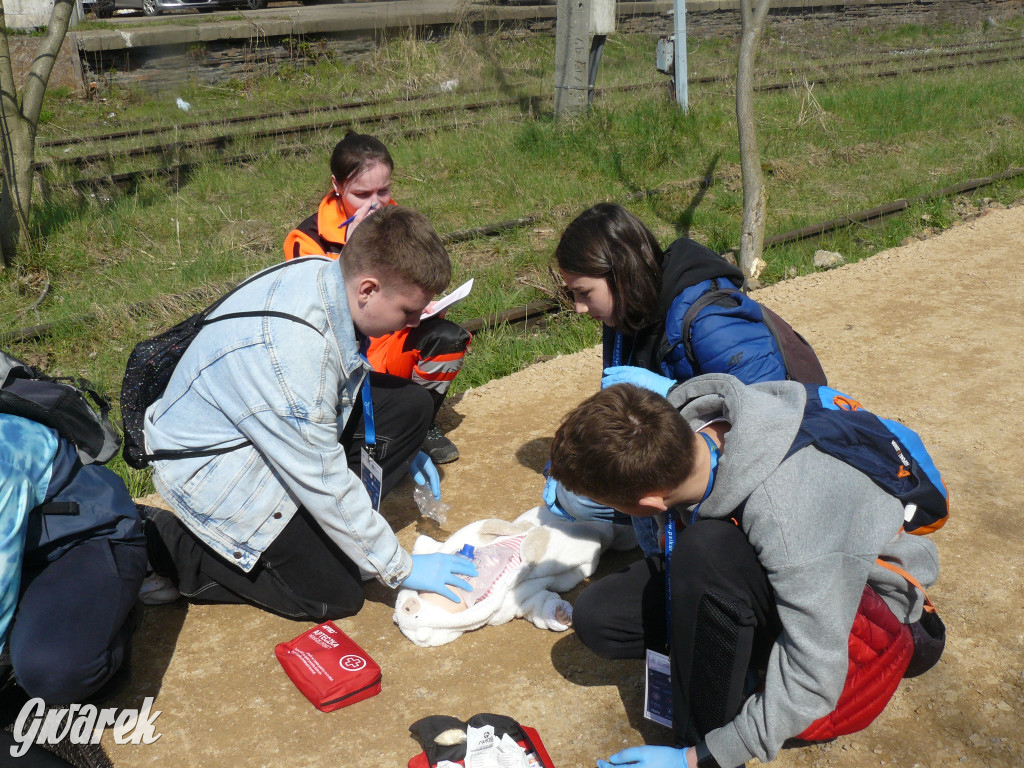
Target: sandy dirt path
{"type": "Point", "coordinates": [930, 333]}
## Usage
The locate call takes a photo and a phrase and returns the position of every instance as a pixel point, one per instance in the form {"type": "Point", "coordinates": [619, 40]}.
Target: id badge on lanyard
{"type": "Point", "coordinates": [369, 470]}
{"type": "Point", "coordinates": [658, 693]}
{"type": "Point", "coordinates": [658, 689]}
{"type": "Point", "coordinates": [617, 351]}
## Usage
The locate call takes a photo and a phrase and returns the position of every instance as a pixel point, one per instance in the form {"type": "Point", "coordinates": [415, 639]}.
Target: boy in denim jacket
{"type": "Point", "coordinates": [283, 520]}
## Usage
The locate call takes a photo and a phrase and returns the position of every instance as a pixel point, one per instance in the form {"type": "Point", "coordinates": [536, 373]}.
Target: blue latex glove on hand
{"type": "Point", "coordinates": [434, 573]}
{"type": "Point", "coordinates": [641, 377]}
{"type": "Point", "coordinates": [423, 471]}
{"type": "Point", "coordinates": [647, 757]}
{"type": "Point", "coordinates": [550, 497]}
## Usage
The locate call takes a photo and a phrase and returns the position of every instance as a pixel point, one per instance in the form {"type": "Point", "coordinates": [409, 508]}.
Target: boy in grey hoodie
{"type": "Point", "coordinates": [766, 574]}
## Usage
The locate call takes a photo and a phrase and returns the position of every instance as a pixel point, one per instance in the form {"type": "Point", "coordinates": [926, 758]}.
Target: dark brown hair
{"type": "Point", "coordinates": [622, 444]}
{"type": "Point", "coordinates": [354, 153]}
{"type": "Point", "coordinates": [398, 244]}
{"type": "Point", "coordinates": [610, 242]}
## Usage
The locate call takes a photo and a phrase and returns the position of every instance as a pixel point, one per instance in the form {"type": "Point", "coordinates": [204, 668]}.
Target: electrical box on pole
{"type": "Point", "coordinates": [671, 55]}
{"type": "Point", "coordinates": [602, 17]}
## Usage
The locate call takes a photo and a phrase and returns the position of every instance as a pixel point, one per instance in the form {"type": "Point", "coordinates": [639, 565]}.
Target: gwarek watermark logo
{"type": "Point", "coordinates": [82, 724]}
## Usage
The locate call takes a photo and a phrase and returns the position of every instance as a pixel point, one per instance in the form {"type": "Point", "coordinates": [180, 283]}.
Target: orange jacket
{"type": "Point", "coordinates": [325, 234]}
{"type": "Point", "coordinates": [322, 234]}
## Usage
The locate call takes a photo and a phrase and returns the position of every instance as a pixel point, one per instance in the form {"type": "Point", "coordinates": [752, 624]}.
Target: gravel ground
{"type": "Point", "coordinates": [929, 333]}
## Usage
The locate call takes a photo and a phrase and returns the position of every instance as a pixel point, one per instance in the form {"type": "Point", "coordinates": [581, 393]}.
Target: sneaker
{"type": "Point", "coordinates": [158, 590]}
{"type": "Point", "coordinates": [439, 448]}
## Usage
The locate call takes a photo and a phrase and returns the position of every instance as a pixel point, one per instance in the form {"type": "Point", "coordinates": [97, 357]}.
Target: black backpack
{"type": "Point", "coordinates": [149, 370]}
{"type": "Point", "coordinates": [69, 405]}
{"type": "Point", "coordinates": [797, 354]}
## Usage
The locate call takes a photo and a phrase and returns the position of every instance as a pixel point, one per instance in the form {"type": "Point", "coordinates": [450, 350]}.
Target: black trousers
{"type": "Point", "coordinates": [723, 619]}
{"type": "Point", "coordinates": [303, 574]}
{"type": "Point", "coordinates": [71, 632]}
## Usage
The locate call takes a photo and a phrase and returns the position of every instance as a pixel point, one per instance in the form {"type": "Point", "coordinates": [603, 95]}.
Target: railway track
{"type": "Point", "coordinates": [948, 51]}
{"type": "Point", "coordinates": [1007, 51]}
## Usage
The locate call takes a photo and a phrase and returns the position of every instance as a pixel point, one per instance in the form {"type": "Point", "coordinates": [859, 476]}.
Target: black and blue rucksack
{"type": "Point", "coordinates": [891, 454]}
{"type": "Point", "coordinates": [71, 406]}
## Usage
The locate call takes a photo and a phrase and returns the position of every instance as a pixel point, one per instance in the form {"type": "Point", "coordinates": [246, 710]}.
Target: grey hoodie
{"type": "Point", "coordinates": [817, 525]}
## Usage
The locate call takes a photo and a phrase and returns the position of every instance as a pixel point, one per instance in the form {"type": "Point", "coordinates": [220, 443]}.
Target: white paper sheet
{"type": "Point", "coordinates": [454, 297]}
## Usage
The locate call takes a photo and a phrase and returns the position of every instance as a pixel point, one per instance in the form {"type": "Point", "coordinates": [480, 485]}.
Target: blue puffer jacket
{"type": "Point", "coordinates": [726, 338]}
{"type": "Point", "coordinates": [730, 337]}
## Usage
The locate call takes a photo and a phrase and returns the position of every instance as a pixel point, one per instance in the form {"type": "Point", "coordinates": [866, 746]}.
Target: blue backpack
{"type": "Point", "coordinates": [891, 454]}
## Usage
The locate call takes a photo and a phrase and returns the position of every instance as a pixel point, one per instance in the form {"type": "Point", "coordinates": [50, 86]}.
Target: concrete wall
{"type": "Point", "coordinates": [66, 70]}
{"type": "Point", "coordinates": [26, 14]}
{"type": "Point", "coordinates": [29, 14]}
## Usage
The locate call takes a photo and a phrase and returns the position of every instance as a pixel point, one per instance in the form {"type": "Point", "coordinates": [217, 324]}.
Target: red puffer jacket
{"type": "Point", "coordinates": [880, 649]}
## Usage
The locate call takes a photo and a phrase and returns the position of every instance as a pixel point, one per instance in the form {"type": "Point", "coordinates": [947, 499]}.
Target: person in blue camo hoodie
{"type": "Point", "coordinates": [72, 558]}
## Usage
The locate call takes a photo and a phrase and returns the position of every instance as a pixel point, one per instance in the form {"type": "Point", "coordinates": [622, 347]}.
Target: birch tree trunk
{"type": "Point", "coordinates": [19, 120]}
{"type": "Point", "coordinates": [755, 201]}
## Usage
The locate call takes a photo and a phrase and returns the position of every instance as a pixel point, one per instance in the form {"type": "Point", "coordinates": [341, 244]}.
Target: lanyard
{"type": "Point", "coordinates": [617, 351]}
{"type": "Point", "coordinates": [368, 428]}
{"type": "Point", "coordinates": [670, 533]}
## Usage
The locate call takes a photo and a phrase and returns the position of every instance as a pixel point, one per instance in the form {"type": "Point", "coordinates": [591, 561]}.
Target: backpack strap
{"type": "Point", "coordinates": [68, 508]}
{"type": "Point", "coordinates": [928, 605]}
{"type": "Point", "coordinates": [712, 296]}
{"type": "Point", "coordinates": [259, 313]}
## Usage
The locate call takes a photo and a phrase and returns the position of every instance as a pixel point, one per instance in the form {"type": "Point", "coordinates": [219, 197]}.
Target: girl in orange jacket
{"type": "Point", "coordinates": [430, 354]}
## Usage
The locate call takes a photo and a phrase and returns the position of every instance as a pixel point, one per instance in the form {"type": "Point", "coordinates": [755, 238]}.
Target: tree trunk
{"type": "Point", "coordinates": [755, 201]}
{"type": "Point", "coordinates": [17, 146]}
{"type": "Point", "coordinates": [19, 119]}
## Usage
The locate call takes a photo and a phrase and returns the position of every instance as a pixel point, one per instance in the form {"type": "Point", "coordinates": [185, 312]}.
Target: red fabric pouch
{"type": "Point", "coordinates": [428, 728]}
{"type": "Point", "coordinates": [329, 668]}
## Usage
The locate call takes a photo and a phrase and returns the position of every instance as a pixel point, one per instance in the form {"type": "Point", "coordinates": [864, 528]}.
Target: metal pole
{"type": "Point", "coordinates": [682, 90]}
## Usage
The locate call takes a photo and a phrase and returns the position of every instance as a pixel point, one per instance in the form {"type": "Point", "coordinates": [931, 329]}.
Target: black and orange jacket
{"type": "Point", "coordinates": [322, 234]}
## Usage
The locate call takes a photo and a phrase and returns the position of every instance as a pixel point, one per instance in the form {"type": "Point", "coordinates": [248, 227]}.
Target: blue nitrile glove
{"type": "Point", "coordinates": [550, 498]}
{"type": "Point", "coordinates": [423, 470]}
{"type": "Point", "coordinates": [641, 377]}
{"type": "Point", "coordinates": [647, 757]}
{"type": "Point", "coordinates": [572, 506]}
{"type": "Point", "coordinates": [581, 507]}
{"type": "Point", "coordinates": [433, 573]}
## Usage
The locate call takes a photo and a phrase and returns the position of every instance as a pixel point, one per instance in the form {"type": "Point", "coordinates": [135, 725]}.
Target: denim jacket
{"type": "Point", "coordinates": [288, 389]}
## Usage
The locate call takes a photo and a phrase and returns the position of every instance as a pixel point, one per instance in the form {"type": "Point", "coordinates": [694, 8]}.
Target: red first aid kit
{"type": "Point", "coordinates": [329, 668]}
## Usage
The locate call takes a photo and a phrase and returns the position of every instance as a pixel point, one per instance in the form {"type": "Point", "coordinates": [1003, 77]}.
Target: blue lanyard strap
{"type": "Point", "coordinates": [713, 451]}
{"type": "Point", "coordinates": [670, 534]}
{"type": "Point", "coordinates": [670, 544]}
{"type": "Point", "coordinates": [617, 351]}
{"type": "Point", "coordinates": [368, 428]}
